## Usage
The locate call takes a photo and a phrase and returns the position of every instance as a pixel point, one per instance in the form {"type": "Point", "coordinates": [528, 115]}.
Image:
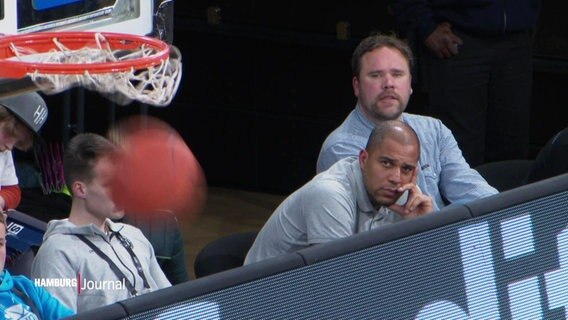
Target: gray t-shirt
{"type": "Point", "coordinates": [333, 205]}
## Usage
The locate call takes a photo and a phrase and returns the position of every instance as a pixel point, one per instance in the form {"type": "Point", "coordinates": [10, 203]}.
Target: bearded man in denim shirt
{"type": "Point", "coordinates": [381, 82]}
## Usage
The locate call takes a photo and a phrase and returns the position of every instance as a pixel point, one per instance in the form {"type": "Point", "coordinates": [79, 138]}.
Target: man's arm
{"type": "Point", "coordinates": [157, 273]}
{"type": "Point", "coordinates": [414, 16]}
{"type": "Point", "coordinates": [417, 16]}
{"type": "Point", "coordinates": [10, 193]}
{"type": "Point", "coordinates": [51, 263]}
{"type": "Point", "coordinates": [330, 213]}
{"type": "Point", "coordinates": [161, 229]}
{"type": "Point", "coordinates": [417, 203]}
{"type": "Point", "coordinates": [10, 197]}
{"type": "Point", "coordinates": [51, 307]}
{"type": "Point", "coordinates": [154, 269]}
{"type": "Point", "coordinates": [459, 183]}
{"type": "Point", "coordinates": [443, 42]}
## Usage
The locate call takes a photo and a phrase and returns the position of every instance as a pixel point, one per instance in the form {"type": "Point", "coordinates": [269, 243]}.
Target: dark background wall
{"type": "Point", "coordinates": [265, 82]}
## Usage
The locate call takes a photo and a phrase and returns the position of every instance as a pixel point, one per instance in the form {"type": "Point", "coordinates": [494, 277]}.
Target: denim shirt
{"type": "Point", "coordinates": [443, 172]}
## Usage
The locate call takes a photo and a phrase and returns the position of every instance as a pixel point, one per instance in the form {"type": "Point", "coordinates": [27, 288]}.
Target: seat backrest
{"type": "Point", "coordinates": [505, 175]}
{"type": "Point", "coordinates": [222, 254]}
{"type": "Point", "coordinates": [24, 235]}
{"type": "Point", "coordinates": [552, 160]}
{"type": "Point", "coordinates": [162, 229]}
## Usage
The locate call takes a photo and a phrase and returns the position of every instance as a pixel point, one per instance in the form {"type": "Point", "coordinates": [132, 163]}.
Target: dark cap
{"type": "Point", "coordinates": [28, 108]}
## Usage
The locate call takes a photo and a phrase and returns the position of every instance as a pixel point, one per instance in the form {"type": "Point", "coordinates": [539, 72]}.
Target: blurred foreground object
{"type": "Point", "coordinates": [157, 169]}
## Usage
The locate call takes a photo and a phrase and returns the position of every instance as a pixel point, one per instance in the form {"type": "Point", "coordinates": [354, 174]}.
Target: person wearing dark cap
{"type": "Point", "coordinates": [21, 118]}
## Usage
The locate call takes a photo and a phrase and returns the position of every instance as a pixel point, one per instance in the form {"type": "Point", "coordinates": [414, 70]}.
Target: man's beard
{"type": "Point", "coordinates": [382, 116]}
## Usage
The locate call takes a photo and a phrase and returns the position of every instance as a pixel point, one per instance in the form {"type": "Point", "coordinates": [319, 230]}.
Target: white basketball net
{"type": "Point", "coordinates": [155, 85]}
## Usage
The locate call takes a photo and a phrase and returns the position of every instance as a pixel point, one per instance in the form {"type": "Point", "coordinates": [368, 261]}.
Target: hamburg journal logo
{"type": "Point", "coordinates": [80, 283]}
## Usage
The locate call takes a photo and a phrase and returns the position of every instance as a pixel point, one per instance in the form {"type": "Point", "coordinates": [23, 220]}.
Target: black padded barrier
{"type": "Point", "coordinates": [518, 195]}
{"type": "Point", "coordinates": [505, 262]}
{"type": "Point", "coordinates": [113, 311]}
{"type": "Point", "coordinates": [177, 295]}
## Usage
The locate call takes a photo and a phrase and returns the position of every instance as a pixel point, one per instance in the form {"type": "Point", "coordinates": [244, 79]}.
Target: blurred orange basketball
{"type": "Point", "coordinates": [157, 170]}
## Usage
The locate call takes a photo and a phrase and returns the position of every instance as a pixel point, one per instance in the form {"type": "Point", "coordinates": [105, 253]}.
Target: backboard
{"type": "Point", "coordinates": [126, 16]}
{"type": "Point", "coordinates": [139, 17]}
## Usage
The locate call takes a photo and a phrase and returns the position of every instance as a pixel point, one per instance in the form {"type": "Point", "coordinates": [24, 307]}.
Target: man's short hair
{"type": "Point", "coordinates": [376, 41]}
{"type": "Point", "coordinates": [393, 129]}
{"type": "Point", "coordinates": [82, 154]}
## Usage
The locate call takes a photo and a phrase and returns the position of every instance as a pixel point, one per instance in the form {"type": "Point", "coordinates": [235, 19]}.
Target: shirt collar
{"type": "Point", "coordinates": [113, 227]}
{"type": "Point", "coordinates": [363, 118]}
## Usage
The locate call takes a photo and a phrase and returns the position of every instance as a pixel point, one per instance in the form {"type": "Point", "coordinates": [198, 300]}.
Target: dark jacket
{"type": "Point", "coordinates": [476, 17]}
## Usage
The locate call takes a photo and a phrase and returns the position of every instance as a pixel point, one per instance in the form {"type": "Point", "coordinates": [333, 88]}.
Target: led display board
{"type": "Point", "coordinates": [503, 257]}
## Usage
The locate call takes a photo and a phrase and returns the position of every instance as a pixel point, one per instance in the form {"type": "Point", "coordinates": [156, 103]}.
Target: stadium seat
{"type": "Point", "coordinates": [552, 160]}
{"type": "Point", "coordinates": [24, 235]}
{"type": "Point", "coordinates": [507, 174]}
{"type": "Point", "coordinates": [163, 231]}
{"type": "Point", "coordinates": [222, 254]}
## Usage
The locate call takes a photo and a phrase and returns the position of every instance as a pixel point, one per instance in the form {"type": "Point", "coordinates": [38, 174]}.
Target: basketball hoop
{"type": "Point", "coordinates": [121, 66]}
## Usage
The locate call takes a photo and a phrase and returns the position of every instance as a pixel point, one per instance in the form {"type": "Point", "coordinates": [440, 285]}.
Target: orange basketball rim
{"type": "Point", "coordinates": [125, 67]}
{"type": "Point", "coordinates": [21, 54]}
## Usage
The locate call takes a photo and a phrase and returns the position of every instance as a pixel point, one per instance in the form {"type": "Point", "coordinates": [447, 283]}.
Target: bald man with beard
{"type": "Point", "coordinates": [355, 194]}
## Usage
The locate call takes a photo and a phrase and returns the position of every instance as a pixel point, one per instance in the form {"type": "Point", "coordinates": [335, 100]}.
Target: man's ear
{"type": "Point", "coordinates": [363, 157]}
{"type": "Point", "coordinates": [78, 189]}
{"type": "Point", "coordinates": [355, 84]}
